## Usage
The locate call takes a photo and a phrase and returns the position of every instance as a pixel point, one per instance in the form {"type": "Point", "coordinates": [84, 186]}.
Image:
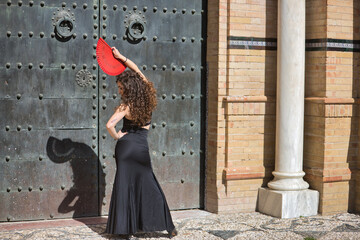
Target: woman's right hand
{"type": "Point", "coordinates": [121, 134]}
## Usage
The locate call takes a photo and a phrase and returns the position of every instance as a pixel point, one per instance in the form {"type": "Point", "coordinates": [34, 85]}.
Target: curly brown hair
{"type": "Point", "coordinates": [139, 95]}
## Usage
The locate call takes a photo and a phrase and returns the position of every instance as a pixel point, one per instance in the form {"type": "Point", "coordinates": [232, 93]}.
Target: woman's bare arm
{"type": "Point", "coordinates": [115, 118]}
{"type": "Point", "coordinates": [130, 64]}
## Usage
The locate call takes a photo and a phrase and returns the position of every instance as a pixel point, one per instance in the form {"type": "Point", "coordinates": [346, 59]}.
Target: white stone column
{"type": "Point", "coordinates": [284, 198]}
{"type": "Point", "coordinates": [288, 174]}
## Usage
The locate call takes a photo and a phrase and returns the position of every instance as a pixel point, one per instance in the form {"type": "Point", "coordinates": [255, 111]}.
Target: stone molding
{"type": "Point", "coordinates": [329, 174]}
{"type": "Point", "coordinates": [240, 173]}
{"type": "Point", "coordinates": [325, 100]}
{"type": "Point", "coordinates": [240, 99]}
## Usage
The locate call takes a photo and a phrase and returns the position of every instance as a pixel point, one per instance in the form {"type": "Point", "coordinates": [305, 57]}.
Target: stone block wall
{"type": "Point", "coordinates": [241, 58]}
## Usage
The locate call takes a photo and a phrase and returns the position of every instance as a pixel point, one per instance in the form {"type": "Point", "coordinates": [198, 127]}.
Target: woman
{"type": "Point", "coordinates": [137, 202]}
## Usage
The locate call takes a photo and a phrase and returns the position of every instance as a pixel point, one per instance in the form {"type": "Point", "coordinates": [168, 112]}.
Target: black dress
{"type": "Point", "coordinates": [138, 203]}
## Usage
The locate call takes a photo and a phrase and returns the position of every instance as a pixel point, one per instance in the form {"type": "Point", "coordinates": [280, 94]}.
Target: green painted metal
{"type": "Point", "coordinates": [56, 157]}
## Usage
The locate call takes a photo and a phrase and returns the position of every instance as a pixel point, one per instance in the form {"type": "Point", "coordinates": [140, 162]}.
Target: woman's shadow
{"type": "Point", "coordinates": [86, 195]}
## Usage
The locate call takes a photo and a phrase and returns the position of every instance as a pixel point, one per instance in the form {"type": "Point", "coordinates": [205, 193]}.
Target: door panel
{"type": "Point", "coordinates": [48, 106]}
{"type": "Point", "coordinates": [56, 157]}
{"type": "Point", "coordinates": [170, 55]}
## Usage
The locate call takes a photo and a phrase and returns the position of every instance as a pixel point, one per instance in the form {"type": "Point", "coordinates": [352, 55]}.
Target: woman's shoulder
{"type": "Point", "coordinates": [123, 108]}
{"type": "Point", "coordinates": [127, 117]}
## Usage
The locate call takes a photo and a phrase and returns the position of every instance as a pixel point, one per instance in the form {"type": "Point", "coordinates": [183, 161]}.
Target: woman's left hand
{"type": "Point", "coordinates": [117, 54]}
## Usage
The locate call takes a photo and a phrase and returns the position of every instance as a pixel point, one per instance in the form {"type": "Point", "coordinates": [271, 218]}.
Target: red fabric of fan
{"type": "Point", "coordinates": [107, 62]}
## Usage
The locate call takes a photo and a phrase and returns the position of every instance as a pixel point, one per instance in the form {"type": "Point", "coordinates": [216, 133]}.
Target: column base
{"type": "Point", "coordinates": [288, 204]}
{"type": "Point", "coordinates": [284, 181]}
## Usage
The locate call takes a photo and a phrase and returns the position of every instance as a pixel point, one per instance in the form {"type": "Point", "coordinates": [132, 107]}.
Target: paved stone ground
{"type": "Point", "coordinates": [197, 224]}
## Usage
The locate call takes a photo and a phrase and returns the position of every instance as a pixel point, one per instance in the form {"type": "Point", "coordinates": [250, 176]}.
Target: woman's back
{"type": "Point", "coordinates": [129, 124]}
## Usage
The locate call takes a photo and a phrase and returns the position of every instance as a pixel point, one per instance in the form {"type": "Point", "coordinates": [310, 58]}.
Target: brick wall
{"type": "Point", "coordinates": [242, 103]}
{"type": "Point", "coordinates": [242, 94]}
{"type": "Point", "coordinates": [212, 55]}
{"type": "Point", "coordinates": [355, 163]}
{"type": "Point", "coordinates": [331, 121]}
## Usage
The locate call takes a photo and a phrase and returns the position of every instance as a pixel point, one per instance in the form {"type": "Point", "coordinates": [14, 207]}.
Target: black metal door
{"type": "Point", "coordinates": [48, 107]}
{"type": "Point", "coordinates": [56, 157]}
{"type": "Point", "coordinates": [164, 38]}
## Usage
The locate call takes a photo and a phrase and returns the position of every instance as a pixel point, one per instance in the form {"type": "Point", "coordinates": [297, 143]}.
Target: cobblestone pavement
{"type": "Point", "coordinates": [204, 225]}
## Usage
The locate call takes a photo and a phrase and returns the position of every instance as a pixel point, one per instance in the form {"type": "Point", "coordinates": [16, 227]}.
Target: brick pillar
{"type": "Point", "coordinates": [354, 186]}
{"type": "Point", "coordinates": [215, 50]}
{"type": "Point", "coordinates": [241, 96]}
{"type": "Point", "coordinates": [331, 121]}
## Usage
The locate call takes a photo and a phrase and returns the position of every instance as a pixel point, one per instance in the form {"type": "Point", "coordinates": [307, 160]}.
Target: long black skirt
{"type": "Point", "coordinates": [138, 203]}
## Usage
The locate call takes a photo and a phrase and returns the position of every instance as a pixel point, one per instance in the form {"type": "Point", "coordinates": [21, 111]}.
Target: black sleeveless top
{"type": "Point", "coordinates": [130, 125]}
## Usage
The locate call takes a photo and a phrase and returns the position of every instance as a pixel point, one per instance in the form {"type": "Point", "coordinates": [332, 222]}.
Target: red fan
{"type": "Point", "coordinates": [108, 63]}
